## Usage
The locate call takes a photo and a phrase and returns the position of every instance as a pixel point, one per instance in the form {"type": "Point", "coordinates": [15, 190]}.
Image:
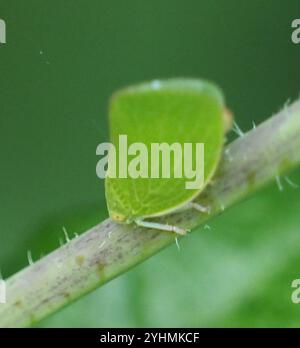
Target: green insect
{"type": "Point", "coordinates": [173, 111]}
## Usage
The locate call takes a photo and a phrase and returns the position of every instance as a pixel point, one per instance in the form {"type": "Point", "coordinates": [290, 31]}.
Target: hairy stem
{"type": "Point", "coordinates": [110, 249]}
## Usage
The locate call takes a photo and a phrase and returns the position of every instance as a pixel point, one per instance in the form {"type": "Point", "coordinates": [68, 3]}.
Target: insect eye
{"type": "Point", "coordinates": [118, 217]}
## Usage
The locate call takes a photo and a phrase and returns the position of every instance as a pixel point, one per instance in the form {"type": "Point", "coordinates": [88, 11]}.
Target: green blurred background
{"type": "Point", "coordinates": [62, 61]}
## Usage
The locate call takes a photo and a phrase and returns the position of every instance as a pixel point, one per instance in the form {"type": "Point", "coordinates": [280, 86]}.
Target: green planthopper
{"type": "Point", "coordinates": [152, 127]}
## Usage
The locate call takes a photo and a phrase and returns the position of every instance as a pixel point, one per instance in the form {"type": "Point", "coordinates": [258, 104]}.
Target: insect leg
{"type": "Point", "coordinates": [159, 226]}
{"type": "Point", "coordinates": [198, 207]}
{"type": "Point", "coordinates": [193, 205]}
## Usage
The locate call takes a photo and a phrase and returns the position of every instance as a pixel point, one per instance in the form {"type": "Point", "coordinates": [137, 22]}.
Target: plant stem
{"type": "Point", "coordinates": [110, 249]}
